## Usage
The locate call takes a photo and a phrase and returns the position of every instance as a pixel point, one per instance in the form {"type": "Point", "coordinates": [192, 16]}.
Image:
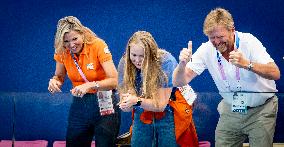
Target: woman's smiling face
{"type": "Point", "coordinates": [73, 41]}
{"type": "Point", "coordinates": [137, 54]}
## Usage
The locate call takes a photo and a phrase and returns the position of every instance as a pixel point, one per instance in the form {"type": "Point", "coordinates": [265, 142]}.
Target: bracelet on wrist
{"type": "Point", "coordinates": [58, 78]}
{"type": "Point", "coordinates": [96, 85]}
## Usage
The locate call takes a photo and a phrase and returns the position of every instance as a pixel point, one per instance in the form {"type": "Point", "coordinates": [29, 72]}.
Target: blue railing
{"type": "Point", "coordinates": [42, 116]}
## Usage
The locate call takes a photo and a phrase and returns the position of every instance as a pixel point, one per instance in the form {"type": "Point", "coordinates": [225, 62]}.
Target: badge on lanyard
{"type": "Point", "coordinates": [239, 103]}
{"type": "Point", "coordinates": [105, 102]}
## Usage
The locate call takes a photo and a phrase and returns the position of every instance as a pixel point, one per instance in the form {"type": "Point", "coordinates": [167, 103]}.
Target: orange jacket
{"type": "Point", "coordinates": [185, 131]}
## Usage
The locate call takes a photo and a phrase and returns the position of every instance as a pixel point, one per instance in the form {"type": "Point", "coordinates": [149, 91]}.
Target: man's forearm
{"type": "Point", "coordinates": [268, 71]}
{"type": "Point", "coordinates": [179, 76]}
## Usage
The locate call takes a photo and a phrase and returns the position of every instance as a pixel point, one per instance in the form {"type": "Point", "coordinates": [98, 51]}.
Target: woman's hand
{"type": "Point", "coordinates": [81, 90]}
{"type": "Point", "coordinates": [128, 100]}
{"type": "Point", "coordinates": [54, 86]}
{"type": "Point", "coordinates": [56, 82]}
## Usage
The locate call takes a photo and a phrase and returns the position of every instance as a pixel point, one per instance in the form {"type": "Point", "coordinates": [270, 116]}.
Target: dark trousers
{"type": "Point", "coordinates": [85, 121]}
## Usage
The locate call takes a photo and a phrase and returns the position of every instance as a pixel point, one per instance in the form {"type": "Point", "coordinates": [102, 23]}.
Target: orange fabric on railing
{"type": "Point", "coordinates": [186, 135]}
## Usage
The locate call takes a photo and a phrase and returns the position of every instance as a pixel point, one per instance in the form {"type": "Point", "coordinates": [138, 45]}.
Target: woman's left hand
{"type": "Point", "coordinates": [81, 90]}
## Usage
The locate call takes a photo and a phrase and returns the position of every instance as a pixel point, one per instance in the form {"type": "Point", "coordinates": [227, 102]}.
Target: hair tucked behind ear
{"type": "Point", "coordinates": [67, 24]}
{"type": "Point", "coordinates": [153, 76]}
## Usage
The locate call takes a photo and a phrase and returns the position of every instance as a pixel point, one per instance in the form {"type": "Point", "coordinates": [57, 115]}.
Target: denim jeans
{"type": "Point", "coordinates": [85, 121]}
{"type": "Point", "coordinates": [161, 133]}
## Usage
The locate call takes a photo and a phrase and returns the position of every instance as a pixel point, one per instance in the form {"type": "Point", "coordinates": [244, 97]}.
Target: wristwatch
{"type": "Point", "coordinates": [138, 102]}
{"type": "Point", "coordinates": [250, 66]}
{"type": "Point", "coordinates": [97, 86]}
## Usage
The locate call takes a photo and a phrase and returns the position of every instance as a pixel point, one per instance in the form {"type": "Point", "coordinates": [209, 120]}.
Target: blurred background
{"type": "Point", "coordinates": [28, 28]}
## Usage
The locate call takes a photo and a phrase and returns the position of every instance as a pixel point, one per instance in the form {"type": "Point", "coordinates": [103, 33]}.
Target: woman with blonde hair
{"type": "Point", "coordinates": [145, 86]}
{"type": "Point", "coordinates": [87, 61]}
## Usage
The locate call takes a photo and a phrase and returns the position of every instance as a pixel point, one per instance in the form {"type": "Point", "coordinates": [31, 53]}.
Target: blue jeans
{"type": "Point", "coordinates": [161, 133]}
{"type": "Point", "coordinates": [85, 121]}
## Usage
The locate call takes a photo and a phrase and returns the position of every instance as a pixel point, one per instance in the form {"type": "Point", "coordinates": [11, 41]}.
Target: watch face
{"type": "Point", "coordinates": [138, 103]}
{"type": "Point", "coordinates": [250, 66]}
{"type": "Point", "coordinates": [96, 85]}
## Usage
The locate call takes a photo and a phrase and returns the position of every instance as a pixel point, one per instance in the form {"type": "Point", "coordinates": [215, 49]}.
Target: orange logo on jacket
{"type": "Point", "coordinates": [90, 66]}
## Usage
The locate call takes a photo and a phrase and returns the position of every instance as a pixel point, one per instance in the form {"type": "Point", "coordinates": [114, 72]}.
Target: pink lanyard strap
{"type": "Point", "coordinates": [78, 68]}
{"type": "Point", "coordinates": [221, 67]}
{"type": "Point", "coordinates": [222, 72]}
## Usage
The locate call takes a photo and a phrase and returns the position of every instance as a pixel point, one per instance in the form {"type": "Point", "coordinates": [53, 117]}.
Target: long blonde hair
{"type": "Point", "coordinates": [218, 16]}
{"type": "Point", "coordinates": [71, 23]}
{"type": "Point", "coordinates": [153, 76]}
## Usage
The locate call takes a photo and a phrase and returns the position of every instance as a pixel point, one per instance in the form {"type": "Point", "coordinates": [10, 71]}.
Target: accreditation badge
{"type": "Point", "coordinates": [105, 102]}
{"type": "Point", "coordinates": [239, 103]}
{"type": "Point", "coordinates": [188, 93]}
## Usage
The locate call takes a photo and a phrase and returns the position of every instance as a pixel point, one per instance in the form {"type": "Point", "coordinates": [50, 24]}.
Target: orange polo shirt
{"type": "Point", "coordinates": [90, 60]}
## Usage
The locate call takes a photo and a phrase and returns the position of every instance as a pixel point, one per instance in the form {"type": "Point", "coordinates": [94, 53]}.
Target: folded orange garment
{"type": "Point", "coordinates": [147, 116]}
{"type": "Point", "coordinates": [185, 131]}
